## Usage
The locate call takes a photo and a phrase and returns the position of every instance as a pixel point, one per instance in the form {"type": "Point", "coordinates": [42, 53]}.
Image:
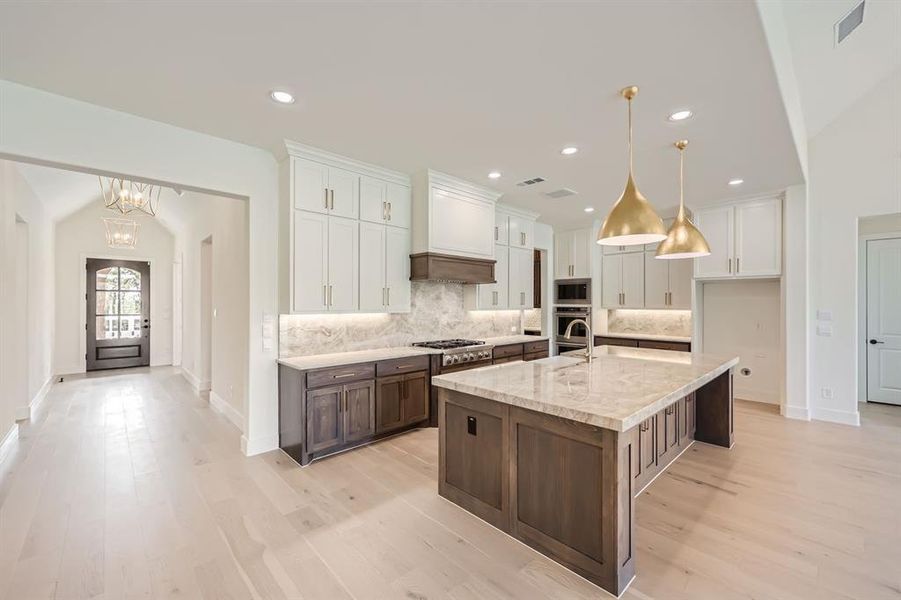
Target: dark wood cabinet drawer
{"type": "Point", "coordinates": [532, 347]}
{"type": "Point", "coordinates": [505, 351]}
{"type": "Point", "coordinates": [655, 345]}
{"type": "Point", "coordinates": [340, 375]}
{"type": "Point", "coordinates": [600, 340]}
{"type": "Point", "coordinates": [507, 359]}
{"type": "Point", "coordinates": [535, 355]}
{"type": "Point", "coordinates": [396, 366]}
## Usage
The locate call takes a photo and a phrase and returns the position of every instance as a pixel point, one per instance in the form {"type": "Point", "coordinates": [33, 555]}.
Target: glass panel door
{"type": "Point", "coordinates": [118, 314]}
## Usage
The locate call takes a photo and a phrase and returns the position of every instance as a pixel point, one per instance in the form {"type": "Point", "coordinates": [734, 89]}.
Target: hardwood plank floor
{"type": "Point", "coordinates": [127, 485]}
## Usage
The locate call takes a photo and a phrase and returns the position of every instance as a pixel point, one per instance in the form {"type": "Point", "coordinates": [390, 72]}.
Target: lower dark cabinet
{"type": "Point", "coordinates": [416, 397]}
{"type": "Point", "coordinates": [324, 426]}
{"type": "Point", "coordinates": [359, 411]}
{"type": "Point", "coordinates": [661, 438]}
{"type": "Point", "coordinates": [401, 400]}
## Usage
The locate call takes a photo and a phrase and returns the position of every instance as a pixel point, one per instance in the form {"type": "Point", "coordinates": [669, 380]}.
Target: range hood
{"type": "Point", "coordinates": [453, 230]}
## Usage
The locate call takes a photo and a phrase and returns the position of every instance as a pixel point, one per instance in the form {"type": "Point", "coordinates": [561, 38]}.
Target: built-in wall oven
{"type": "Point", "coordinates": [563, 316]}
{"type": "Point", "coordinates": [572, 291]}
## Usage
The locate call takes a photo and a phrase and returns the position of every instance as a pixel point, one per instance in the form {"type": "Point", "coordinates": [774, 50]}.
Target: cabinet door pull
{"type": "Point", "coordinates": [389, 211]}
{"type": "Point", "coordinates": [730, 265]}
{"type": "Point", "coordinates": [329, 295]}
{"type": "Point", "coordinates": [496, 234]}
{"type": "Point", "coordinates": [343, 375]}
{"type": "Point", "coordinates": [738, 265]}
{"type": "Point", "coordinates": [384, 211]}
{"type": "Point", "coordinates": [389, 296]}
{"type": "Point", "coordinates": [326, 198]}
{"type": "Point", "coordinates": [324, 295]}
{"type": "Point", "coordinates": [522, 238]}
{"type": "Point", "coordinates": [522, 298]}
{"type": "Point", "coordinates": [332, 207]}
{"type": "Point", "coordinates": [403, 366]}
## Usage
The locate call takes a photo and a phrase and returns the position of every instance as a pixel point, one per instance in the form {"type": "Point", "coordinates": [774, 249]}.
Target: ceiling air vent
{"type": "Point", "coordinates": [561, 193]}
{"type": "Point", "coordinates": [848, 23]}
{"type": "Point", "coordinates": [532, 181]}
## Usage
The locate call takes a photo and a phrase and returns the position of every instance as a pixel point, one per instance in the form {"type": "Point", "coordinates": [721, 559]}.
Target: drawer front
{"type": "Point", "coordinates": [530, 347]}
{"type": "Point", "coordinates": [337, 375]}
{"type": "Point", "coordinates": [505, 351]}
{"type": "Point", "coordinates": [600, 340]}
{"type": "Point", "coordinates": [507, 359]}
{"type": "Point", "coordinates": [535, 355]}
{"type": "Point", "coordinates": [677, 346]}
{"type": "Point", "coordinates": [397, 366]}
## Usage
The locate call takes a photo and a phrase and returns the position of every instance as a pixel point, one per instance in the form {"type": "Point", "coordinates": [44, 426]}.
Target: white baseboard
{"type": "Point", "coordinates": [27, 412]}
{"type": "Point", "coordinates": [199, 385]}
{"type": "Point", "coordinates": [844, 417]}
{"type": "Point", "coordinates": [258, 445]}
{"type": "Point", "coordinates": [757, 396]}
{"type": "Point", "coordinates": [70, 370]}
{"type": "Point", "coordinates": [10, 438]}
{"type": "Point", "coordinates": [795, 412]}
{"type": "Point", "coordinates": [219, 403]}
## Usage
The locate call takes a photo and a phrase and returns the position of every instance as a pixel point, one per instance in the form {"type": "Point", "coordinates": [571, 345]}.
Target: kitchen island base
{"type": "Point", "coordinates": [565, 488]}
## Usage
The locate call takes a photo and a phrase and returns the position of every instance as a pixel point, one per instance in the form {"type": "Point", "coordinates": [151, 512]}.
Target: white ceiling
{"type": "Point", "coordinates": [464, 88]}
{"type": "Point", "coordinates": [831, 78]}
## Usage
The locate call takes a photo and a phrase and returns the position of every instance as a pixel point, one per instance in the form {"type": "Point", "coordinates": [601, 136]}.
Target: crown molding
{"type": "Point", "coordinates": [516, 211]}
{"type": "Point", "coordinates": [461, 185]}
{"type": "Point", "coordinates": [298, 150]}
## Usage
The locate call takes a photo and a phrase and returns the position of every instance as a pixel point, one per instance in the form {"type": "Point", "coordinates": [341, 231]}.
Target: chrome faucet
{"type": "Point", "coordinates": [588, 347]}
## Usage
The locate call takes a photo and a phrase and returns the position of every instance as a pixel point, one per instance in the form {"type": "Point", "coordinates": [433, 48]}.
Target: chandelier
{"type": "Point", "coordinates": [121, 233]}
{"type": "Point", "coordinates": [126, 197]}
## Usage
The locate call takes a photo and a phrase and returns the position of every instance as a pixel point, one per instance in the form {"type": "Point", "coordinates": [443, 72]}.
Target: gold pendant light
{"type": "Point", "coordinates": [632, 220]}
{"type": "Point", "coordinates": [683, 239]}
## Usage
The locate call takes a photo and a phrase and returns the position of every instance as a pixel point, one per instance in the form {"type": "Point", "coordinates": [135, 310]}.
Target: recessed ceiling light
{"type": "Point", "coordinates": [589, 209]}
{"type": "Point", "coordinates": [494, 174]}
{"type": "Point", "coordinates": [736, 181]}
{"type": "Point", "coordinates": [680, 115]}
{"type": "Point", "coordinates": [282, 97]}
{"type": "Point", "coordinates": [569, 150]}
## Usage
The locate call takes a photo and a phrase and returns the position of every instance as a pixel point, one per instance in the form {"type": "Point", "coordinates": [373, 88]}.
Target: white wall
{"type": "Point", "coordinates": [225, 221]}
{"type": "Point", "coordinates": [742, 318]}
{"type": "Point", "coordinates": [855, 171]}
{"type": "Point", "coordinates": [83, 235]}
{"type": "Point", "coordinates": [46, 127]}
{"type": "Point", "coordinates": [25, 339]}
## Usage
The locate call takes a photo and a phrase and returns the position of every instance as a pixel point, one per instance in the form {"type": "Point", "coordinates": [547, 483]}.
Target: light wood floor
{"type": "Point", "coordinates": [128, 486]}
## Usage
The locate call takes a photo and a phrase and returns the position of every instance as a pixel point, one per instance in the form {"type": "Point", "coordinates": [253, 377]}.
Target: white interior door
{"type": "Point", "coordinates": [884, 321]}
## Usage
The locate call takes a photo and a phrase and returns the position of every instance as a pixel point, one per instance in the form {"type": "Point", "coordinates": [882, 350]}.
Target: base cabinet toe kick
{"type": "Point", "coordinates": [565, 488]}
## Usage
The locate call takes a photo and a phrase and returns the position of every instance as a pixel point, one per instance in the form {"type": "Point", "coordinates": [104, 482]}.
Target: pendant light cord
{"type": "Point", "coordinates": [682, 180]}
{"type": "Point", "coordinates": [630, 136]}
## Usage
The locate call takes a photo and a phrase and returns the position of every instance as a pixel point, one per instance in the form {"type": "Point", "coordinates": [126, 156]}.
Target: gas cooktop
{"type": "Point", "coordinates": [449, 344]}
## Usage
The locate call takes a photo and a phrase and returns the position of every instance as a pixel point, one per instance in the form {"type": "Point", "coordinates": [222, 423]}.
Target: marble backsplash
{"type": "Point", "coordinates": [655, 322]}
{"type": "Point", "coordinates": [436, 313]}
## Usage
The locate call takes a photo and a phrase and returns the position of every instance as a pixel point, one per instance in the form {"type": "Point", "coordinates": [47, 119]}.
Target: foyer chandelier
{"type": "Point", "coordinates": [121, 234]}
{"type": "Point", "coordinates": [632, 220]}
{"type": "Point", "coordinates": [126, 196]}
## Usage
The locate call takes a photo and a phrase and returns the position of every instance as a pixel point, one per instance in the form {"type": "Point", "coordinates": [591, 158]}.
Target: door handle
{"type": "Point", "coordinates": [874, 342]}
{"type": "Point", "coordinates": [389, 211]}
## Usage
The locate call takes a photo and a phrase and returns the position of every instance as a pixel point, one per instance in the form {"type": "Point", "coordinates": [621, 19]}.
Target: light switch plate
{"type": "Point", "coordinates": [824, 315]}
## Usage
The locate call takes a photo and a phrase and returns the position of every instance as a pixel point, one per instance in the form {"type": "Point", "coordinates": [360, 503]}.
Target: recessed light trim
{"type": "Point", "coordinates": [736, 181]}
{"type": "Point", "coordinates": [569, 150]}
{"type": "Point", "coordinates": [494, 175]}
{"type": "Point", "coordinates": [282, 97]}
{"type": "Point", "coordinates": [680, 115]}
{"type": "Point", "coordinates": [589, 209]}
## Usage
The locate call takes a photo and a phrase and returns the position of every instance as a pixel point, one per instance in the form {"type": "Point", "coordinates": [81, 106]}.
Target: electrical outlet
{"type": "Point", "coordinates": [826, 393]}
{"type": "Point", "coordinates": [513, 328]}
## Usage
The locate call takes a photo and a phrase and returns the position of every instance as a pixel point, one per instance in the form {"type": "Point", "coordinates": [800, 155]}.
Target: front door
{"type": "Point", "coordinates": [118, 314]}
{"type": "Point", "coordinates": [884, 321]}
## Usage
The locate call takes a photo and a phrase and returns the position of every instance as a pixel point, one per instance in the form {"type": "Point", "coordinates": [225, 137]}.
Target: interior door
{"type": "Point", "coordinates": [118, 314]}
{"type": "Point", "coordinates": [884, 321]}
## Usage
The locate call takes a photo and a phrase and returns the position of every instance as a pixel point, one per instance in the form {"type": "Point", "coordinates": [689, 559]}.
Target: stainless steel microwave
{"type": "Point", "coordinates": [572, 291]}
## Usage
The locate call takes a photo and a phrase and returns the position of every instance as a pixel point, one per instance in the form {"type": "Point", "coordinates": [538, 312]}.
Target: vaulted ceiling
{"type": "Point", "coordinates": [465, 88]}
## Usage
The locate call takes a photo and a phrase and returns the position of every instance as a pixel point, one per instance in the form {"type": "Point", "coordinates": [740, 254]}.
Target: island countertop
{"type": "Point", "coordinates": [620, 388]}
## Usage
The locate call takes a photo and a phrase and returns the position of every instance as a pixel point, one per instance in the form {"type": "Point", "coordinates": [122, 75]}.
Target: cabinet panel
{"type": "Point", "coordinates": [373, 200]}
{"type": "Point", "coordinates": [310, 181]}
{"type": "Point", "coordinates": [716, 224]}
{"type": "Point", "coordinates": [324, 418]}
{"type": "Point", "coordinates": [562, 255]}
{"type": "Point", "coordinates": [344, 193]}
{"type": "Point", "coordinates": [461, 225]}
{"type": "Point", "coordinates": [399, 205]}
{"type": "Point", "coordinates": [416, 398]}
{"type": "Point", "coordinates": [758, 238]}
{"type": "Point", "coordinates": [680, 282]}
{"type": "Point", "coordinates": [521, 272]}
{"type": "Point", "coordinates": [359, 410]}
{"type": "Point", "coordinates": [522, 232]}
{"type": "Point", "coordinates": [633, 279]}
{"type": "Point", "coordinates": [389, 403]}
{"type": "Point", "coordinates": [656, 281]}
{"type": "Point", "coordinates": [473, 464]}
{"type": "Point", "coordinates": [310, 261]}
{"type": "Point", "coordinates": [667, 433]}
{"type": "Point", "coordinates": [373, 295]}
{"type": "Point", "coordinates": [611, 280]}
{"type": "Point", "coordinates": [501, 228]}
{"type": "Point", "coordinates": [647, 451]}
{"type": "Point", "coordinates": [582, 247]}
{"type": "Point", "coordinates": [397, 269]}
{"type": "Point", "coordinates": [343, 263]}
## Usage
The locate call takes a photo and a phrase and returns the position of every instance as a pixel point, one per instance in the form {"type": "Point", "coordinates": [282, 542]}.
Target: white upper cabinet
{"type": "Point", "coordinates": [522, 231]}
{"type": "Point", "coordinates": [501, 228]}
{"type": "Point", "coordinates": [680, 272]}
{"type": "Point", "coordinates": [622, 280]}
{"type": "Point", "coordinates": [522, 264]}
{"type": "Point", "coordinates": [745, 240]}
{"type": "Point", "coordinates": [572, 254]}
{"type": "Point", "coordinates": [667, 282]}
{"type": "Point", "coordinates": [338, 214]}
{"type": "Point", "coordinates": [492, 296]}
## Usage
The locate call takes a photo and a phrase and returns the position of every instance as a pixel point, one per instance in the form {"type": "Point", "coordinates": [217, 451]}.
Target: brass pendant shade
{"type": "Point", "coordinates": [683, 239]}
{"type": "Point", "coordinates": [632, 220]}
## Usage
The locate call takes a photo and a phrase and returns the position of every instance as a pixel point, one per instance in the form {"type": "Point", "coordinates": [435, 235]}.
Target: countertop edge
{"type": "Point", "coordinates": [653, 337]}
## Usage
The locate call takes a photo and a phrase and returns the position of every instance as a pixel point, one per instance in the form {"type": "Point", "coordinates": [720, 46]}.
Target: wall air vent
{"type": "Point", "coordinates": [532, 181]}
{"type": "Point", "coordinates": [561, 193]}
{"type": "Point", "coordinates": [849, 23]}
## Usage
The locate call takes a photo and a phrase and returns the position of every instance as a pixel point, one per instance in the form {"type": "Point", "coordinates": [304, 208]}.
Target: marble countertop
{"type": "Point", "coordinates": [335, 359]}
{"type": "Point", "coordinates": [514, 339]}
{"type": "Point", "coordinates": [621, 388]}
{"type": "Point", "coordinates": [646, 336]}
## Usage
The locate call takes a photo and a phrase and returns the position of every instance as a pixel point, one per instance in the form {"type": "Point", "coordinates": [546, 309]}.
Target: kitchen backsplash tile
{"type": "Point", "coordinates": [659, 322]}
{"type": "Point", "coordinates": [436, 313]}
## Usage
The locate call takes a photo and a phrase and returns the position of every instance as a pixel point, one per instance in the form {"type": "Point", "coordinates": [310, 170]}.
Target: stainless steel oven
{"type": "Point", "coordinates": [572, 291]}
{"type": "Point", "coordinates": [563, 316]}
